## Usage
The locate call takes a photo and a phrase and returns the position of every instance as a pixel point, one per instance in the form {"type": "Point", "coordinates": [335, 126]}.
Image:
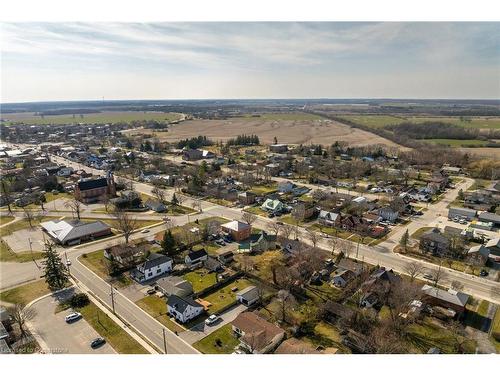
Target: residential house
{"type": "Point", "coordinates": [351, 222]}
{"type": "Point", "coordinates": [155, 205]}
{"type": "Point", "coordinates": [192, 155]}
{"type": "Point", "coordinates": [213, 265]}
{"type": "Point", "coordinates": [493, 246]}
{"type": "Point", "coordinates": [256, 334]}
{"type": "Point", "coordinates": [296, 346]}
{"type": "Point", "coordinates": [388, 214]}
{"type": "Point", "coordinates": [286, 186]}
{"type": "Point", "coordinates": [155, 265]}
{"type": "Point", "coordinates": [304, 210]}
{"type": "Point", "coordinates": [349, 264]}
{"type": "Point", "coordinates": [74, 232]}
{"type": "Point", "coordinates": [273, 205]}
{"type": "Point", "coordinates": [96, 190]}
{"type": "Point", "coordinates": [440, 180]}
{"type": "Point", "coordinates": [482, 200]}
{"type": "Point", "coordinates": [125, 255]}
{"type": "Point", "coordinates": [183, 309]}
{"type": "Point", "coordinates": [226, 257]}
{"type": "Point", "coordinates": [477, 255]}
{"type": "Point", "coordinates": [328, 218]}
{"type": "Point", "coordinates": [341, 277]}
{"type": "Point", "coordinates": [174, 285]}
{"type": "Point", "coordinates": [488, 217]}
{"type": "Point", "coordinates": [248, 296]}
{"type": "Point", "coordinates": [279, 148]}
{"type": "Point", "coordinates": [332, 311]}
{"type": "Point", "coordinates": [434, 241]}
{"type": "Point", "coordinates": [238, 230]}
{"type": "Point", "coordinates": [258, 242]}
{"type": "Point", "coordinates": [246, 198]}
{"type": "Point", "coordinates": [273, 169]}
{"type": "Point", "coordinates": [461, 213]}
{"type": "Point", "coordinates": [195, 258]}
{"type": "Point", "coordinates": [450, 299]}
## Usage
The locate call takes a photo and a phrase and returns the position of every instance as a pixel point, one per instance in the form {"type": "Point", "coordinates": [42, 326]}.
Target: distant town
{"type": "Point", "coordinates": [219, 227]}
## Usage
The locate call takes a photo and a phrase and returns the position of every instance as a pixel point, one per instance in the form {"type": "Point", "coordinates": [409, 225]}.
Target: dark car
{"type": "Point", "coordinates": [97, 342]}
{"type": "Point", "coordinates": [483, 273]}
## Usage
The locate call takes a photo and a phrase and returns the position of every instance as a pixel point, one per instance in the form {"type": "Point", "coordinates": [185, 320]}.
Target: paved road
{"type": "Point", "coordinates": [59, 337]}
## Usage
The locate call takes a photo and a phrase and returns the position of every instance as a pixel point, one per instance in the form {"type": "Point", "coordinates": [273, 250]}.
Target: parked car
{"type": "Point", "coordinates": [73, 317]}
{"type": "Point", "coordinates": [428, 276]}
{"type": "Point", "coordinates": [151, 291]}
{"type": "Point", "coordinates": [68, 262]}
{"type": "Point", "coordinates": [483, 273]}
{"type": "Point", "coordinates": [212, 319]}
{"type": "Point", "coordinates": [145, 231]}
{"type": "Point", "coordinates": [97, 342]}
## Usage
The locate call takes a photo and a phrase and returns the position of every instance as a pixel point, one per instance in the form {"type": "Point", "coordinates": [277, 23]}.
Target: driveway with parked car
{"type": "Point", "coordinates": [59, 336]}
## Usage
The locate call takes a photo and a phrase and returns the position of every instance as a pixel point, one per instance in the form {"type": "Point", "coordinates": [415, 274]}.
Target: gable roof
{"type": "Point", "coordinates": [195, 255]}
{"type": "Point", "coordinates": [435, 235]}
{"type": "Point", "coordinates": [93, 184]}
{"type": "Point", "coordinates": [257, 332]}
{"type": "Point", "coordinates": [451, 296]}
{"type": "Point", "coordinates": [350, 265]}
{"type": "Point", "coordinates": [480, 249]}
{"type": "Point", "coordinates": [155, 259]}
{"type": "Point", "coordinates": [180, 304]}
{"type": "Point", "coordinates": [249, 293]}
{"type": "Point", "coordinates": [488, 216]}
{"type": "Point", "coordinates": [236, 225]}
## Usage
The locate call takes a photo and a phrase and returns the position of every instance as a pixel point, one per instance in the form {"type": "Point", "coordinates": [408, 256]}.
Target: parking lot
{"type": "Point", "coordinates": [60, 337]}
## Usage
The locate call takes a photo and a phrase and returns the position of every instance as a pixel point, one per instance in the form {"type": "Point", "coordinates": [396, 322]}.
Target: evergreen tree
{"type": "Point", "coordinates": [174, 201]}
{"type": "Point", "coordinates": [404, 240]}
{"type": "Point", "coordinates": [56, 274]}
{"type": "Point", "coordinates": [169, 244]}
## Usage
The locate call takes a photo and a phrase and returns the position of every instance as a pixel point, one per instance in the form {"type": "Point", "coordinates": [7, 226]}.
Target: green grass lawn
{"type": "Point", "coordinates": [6, 219]}
{"type": "Point", "coordinates": [265, 189]}
{"type": "Point", "coordinates": [90, 118]}
{"type": "Point", "coordinates": [224, 297]}
{"type": "Point", "coordinates": [221, 341]}
{"type": "Point", "coordinates": [113, 223]}
{"type": "Point", "coordinates": [428, 334]}
{"type": "Point", "coordinates": [180, 210]}
{"type": "Point", "coordinates": [256, 210]}
{"type": "Point", "coordinates": [495, 330]}
{"type": "Point", "coordinates": [25, 293]}
{"type": "Point", "coordinates": [7, 255]}
{"type": "Point", "coordinates": [458, 142]}
{"type": "Point", "coordinates": [200, 279]}
{"type": "Point", "coordinates": [157, 308]}
{"type": "Point", "coordinates": [98, 264]}
{"type": "Point", "coordinates": [116, 336]}
{"type": "Point", "coordinates": [419, 232]}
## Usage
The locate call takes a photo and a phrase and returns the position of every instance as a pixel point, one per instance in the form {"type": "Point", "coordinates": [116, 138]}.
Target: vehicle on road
{"type": "Point", "coordinates": [68, 262]}
{"type": "Point", "coordinates": [212, 319]}
{"type": "Point", "coordinates": [145, 231]}
{"type": "Point", "coordinates": [483, 273]}
{"type": "Point", "coordinates": [151, 291]}
{"type": "Point", "coordinates": [428, 276]}
{"type": "Point", "coordinates": [96, 343]}
{"type": "Point", "coordinates": [73, 317]}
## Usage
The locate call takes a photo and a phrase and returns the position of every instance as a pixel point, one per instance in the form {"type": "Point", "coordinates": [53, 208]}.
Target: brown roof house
{"type": "Point", "coordinates": [450, 299]}
{"type": "Point", "coordinates": [238, 230]}
{"type": "Point", "coordinates": [478, 255]}
{"type": "Point", "coordinates": [256, 335]}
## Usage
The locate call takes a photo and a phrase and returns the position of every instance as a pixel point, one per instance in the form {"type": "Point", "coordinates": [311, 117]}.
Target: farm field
{"type": "Point", "coordinates": [295, 131]}
{"type": "Point", "coordinates": [485, 152]}
{"type": "Point", "coordinates": [458, 142]}
{"type": "Point", "coordinates": [380, 121]}
{"type": "Point", "coordinates": [30, 118]}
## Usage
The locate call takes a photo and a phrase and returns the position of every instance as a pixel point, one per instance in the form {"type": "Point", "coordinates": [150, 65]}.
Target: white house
{"type": "Point", "coordinates": [65, 172]}
{"type": "Point", "coordinates": [183, 309]}
{"type": "Point", "coordinates": [155, 265]}
{"type": "Point", "coordinates": [388, 214]}
{"type": "Point", "coordinates": [272, 205]}
{"type": "Point", "coordinates": [195, 257]}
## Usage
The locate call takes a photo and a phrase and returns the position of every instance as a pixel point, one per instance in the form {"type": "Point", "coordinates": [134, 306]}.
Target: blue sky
{"type": "Point", "coordinates": [76, 61]}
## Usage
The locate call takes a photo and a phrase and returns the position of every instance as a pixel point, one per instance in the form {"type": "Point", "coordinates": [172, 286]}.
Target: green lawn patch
{"type": "Point", "coordinates": [7, 255]}
{"type": "Point", "coordinates": [157, 308]}
{"type": "Point", "coordinates": [265, 189]}
{"type": "Point", "coordinates": [201, 279]}
{"type": "Point", "coordinates": [221, 341]}
{"type": "Point", "coordinates": [6, 219]}
{"type": "Point", "coordinates": [116, 336]}
{"type": "Point", "coordinates": [224, 297]}
{"type": "Point", "coordinates": [99, 265]}
{"type": "Point", "coordinates": [25, 293]}
{"type": "Point", "coordinates": [419, 232]}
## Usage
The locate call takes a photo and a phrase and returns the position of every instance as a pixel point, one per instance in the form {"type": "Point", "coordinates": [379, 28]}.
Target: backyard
{"type": "Point", "coordinates": [221, 341]}
{"type": "Point", "coordinates": [225, 296]}
{"type": "Point", "coordinates": [157, 308]}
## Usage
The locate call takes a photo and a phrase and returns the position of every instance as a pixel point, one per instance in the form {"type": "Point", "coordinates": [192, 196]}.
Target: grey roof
{"type": "Point", "coordinates": [175, 285]}
{"type": "Point", "coordinates": [180, 304]}
{"type": "Point", "coordinates": [435, 235]}
{"type": "Point", "coordinates": [495, 242]}
{"type": "Point", "coordinates": [3, 332]}
{"type": "Point", "coordinates": [488, 216]}
{"type": "Point", "coordinates": [93, 184]}
{"type": "Point", "coordinates": [327, 215]}
{"type": "Point", "coordinates": [66, 231]}
{"type": "Point", "coordinates": [451, 296]}
{"type": "Point", "coordinates": [461, 211]}
{"type": "Point", "coordinates": [348, 264]}
{"type": "Point", "coordinates": [4, 348]}
{"type": "Point", "coordinates": [249, 293]}
{"type": "Point", "coordinates": [155, 259]}
{"type": "Point", "coordinates": [195, 255]}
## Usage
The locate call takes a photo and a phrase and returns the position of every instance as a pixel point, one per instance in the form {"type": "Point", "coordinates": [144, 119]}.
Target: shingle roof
{"type": "Point", "coordinates": [451, 296]}
{"type": "Point", "coordinates": [180, 304]}
{"type": "Point", "coordinates": [66, 231]}
{"type": "Point", "coordinates": [92, 184]}
{"type": "Point", "coordinates": [194, 255]}
{"type": "Point", "coordinates": [236, 225]}
{"type": "Point", "coordinates": [155, 259]}
{"type": "Point", "coordinates": [258, 332]}
{"type": "Point", "coordinates": [488, 216]}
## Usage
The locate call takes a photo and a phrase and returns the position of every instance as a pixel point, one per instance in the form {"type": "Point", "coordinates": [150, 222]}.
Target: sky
{"type": "Point", "coordinates": [89, 61]}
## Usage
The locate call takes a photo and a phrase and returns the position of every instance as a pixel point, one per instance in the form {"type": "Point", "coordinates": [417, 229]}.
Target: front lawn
{"type": "Point", "coordinates": [495, 330]}
{"type": "Point", "coordinates": [224, 297]}
{"type": "Point", "coordinates": [221, 341]}
{"type": "Point", "coordinates": [157, 308]}
{"type": "Point", "coordinates": [6, 219]}
{"type": "Point", "coordinates": [116, 336]}
{"type": "Point", "coordinates": [99, 265]}
{"type": "Point", "coordinates": [264, 189]}
{"type": "Point", "coordinates": [7, 255]}
{"type": "Point", "coordinates": [25, 293]}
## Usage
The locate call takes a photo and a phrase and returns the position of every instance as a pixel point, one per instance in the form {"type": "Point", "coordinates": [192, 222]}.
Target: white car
{"type": "Point", "coordinates": [212, 319]}
{"type": "Point", "coordinates": [145, 231]}
{"type": "Point", "coordinates": [72, 317]}
{"type": "Point", "coordinates": [68, 262]}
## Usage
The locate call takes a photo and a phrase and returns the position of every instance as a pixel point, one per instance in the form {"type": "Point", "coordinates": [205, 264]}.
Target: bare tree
{"type": "Point", "coordinates": [247, 263]}
{"type": "Point", "coordinates": [126, 223]}
{"type": "Point", "coordinates": [29, 215]}
{"type": "Point", "coordinates": [333, 241]}
{"type": "Point", "coordinates": [196, 205]}
{"type": "Point", "coordinates": [20, 314]}
{"type": "Point", "coordinates": [457, 285]}
{"type": "Point", "coordinates": [75, 206]}
{"type": "Point", "coordinates": [313, 236]}
{"type": "Point", "coordinates": [437, 275]}
{"type": "Point", "coordinates": [414, 270]}
{"type": "Point", "coordinates": [6, 194]}
{"type": "Point", "coordinates": [159, 194]}
{"type": "Point", "coordinates": [347, 247]}
{"type": "Point", "coordinates": [105, 201]}
{"type": "Point", "coordinates": [248, 217]}
{"type": "Point", "coordinates": [287, 302]}
{"type": "Point", "coordinates": [274, 227]}
{"type": "Point", "coordinates": [286, 230]}
{"type": "Point", "coordinates": [180, 199]}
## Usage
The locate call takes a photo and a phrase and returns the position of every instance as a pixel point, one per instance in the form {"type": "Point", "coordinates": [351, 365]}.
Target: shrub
{"type": "Point", "coordinates": [79, 300]}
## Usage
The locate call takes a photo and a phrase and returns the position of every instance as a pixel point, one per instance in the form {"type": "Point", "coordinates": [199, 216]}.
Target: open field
{"type": "Point", "coordinates": [485, 152]}
{"type": "Point", "coordinates": [458, 142]}
{"type": "Point", "coordinates": [320, 131]}
{"type": "Point", "coordinates": [380, 121]}
{"type": "Point", "coordinates": [30, 118]}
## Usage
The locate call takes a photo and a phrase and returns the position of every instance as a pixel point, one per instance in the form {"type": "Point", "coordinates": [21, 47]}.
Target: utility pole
{"type": "Point", "coordinates": [164, 341]}
{"type": "Point", "coordinates": [67, 263]}
{"type": "Point", "coordinates": [31, 251]}
{"type": "Point", "coordinates": [112, 298]}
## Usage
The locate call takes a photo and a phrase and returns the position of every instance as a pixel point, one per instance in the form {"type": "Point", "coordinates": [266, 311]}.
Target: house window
{"type": "Point", "coordinates": [150, 274]}
{"type": "Point", "coordinates": [158, 270]}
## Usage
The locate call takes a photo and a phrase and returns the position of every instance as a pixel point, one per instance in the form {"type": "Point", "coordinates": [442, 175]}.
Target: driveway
{"type": "Point", "coordinates": [201, 330]}
{"type": "Point", "coordinates": [59, 337]}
